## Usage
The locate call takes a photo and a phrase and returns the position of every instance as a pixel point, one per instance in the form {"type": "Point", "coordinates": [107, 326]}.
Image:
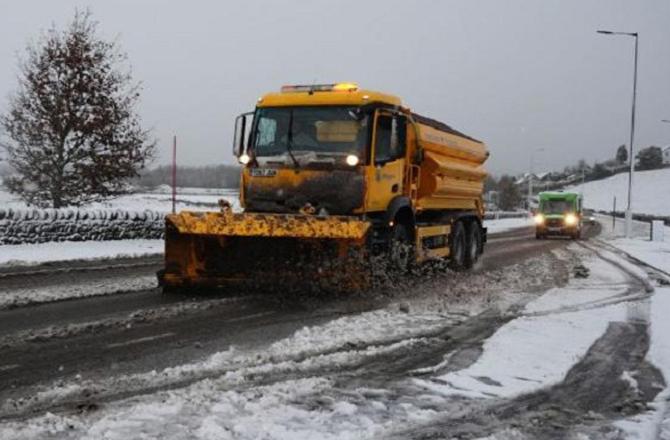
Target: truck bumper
{"type": "Point", "coordinates": [224, 249]}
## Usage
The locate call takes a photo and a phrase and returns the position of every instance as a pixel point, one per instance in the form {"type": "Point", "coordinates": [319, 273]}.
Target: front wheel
{"type": "Point", "coordinates": [400, 248]}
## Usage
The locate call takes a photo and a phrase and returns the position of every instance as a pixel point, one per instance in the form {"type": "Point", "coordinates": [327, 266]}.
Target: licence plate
{"type": "Point", "coordinates": [263, 172]}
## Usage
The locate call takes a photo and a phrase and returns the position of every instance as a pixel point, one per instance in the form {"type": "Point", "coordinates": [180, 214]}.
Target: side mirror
{"type": "Point", "coordinates": [418, 156]}
{"type": "Point", "coordinates": [240, 137]}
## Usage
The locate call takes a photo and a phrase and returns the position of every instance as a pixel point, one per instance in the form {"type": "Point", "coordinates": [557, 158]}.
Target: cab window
{"type": "Point", "coordinates": [390, 138]}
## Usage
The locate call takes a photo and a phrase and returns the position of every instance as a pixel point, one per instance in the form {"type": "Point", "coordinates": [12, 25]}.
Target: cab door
{"type": "Point", "coordinates": [386, 173]}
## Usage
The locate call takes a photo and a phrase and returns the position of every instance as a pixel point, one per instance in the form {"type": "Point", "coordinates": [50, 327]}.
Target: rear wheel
{"type": "Point", "coordinates": [474, 244]}
{"type": "Point", "coordinates": [457, 247]}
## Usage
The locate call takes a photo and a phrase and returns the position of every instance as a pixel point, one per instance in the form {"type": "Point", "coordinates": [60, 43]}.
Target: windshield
{"type": "Point", "coordinates": [322, 130]}
{"type": "Point", "coordinates": [556, 206]}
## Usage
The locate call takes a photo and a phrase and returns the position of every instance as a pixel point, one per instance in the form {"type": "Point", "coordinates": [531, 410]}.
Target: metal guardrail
{"type": "Point", "coordinates": [639, 217]}
{"type": "Point", "coordinates": [496, 215]}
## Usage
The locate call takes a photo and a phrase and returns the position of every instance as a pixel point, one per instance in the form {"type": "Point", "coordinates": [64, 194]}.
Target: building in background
{"type": "Point", "coordinates": [666, 155]}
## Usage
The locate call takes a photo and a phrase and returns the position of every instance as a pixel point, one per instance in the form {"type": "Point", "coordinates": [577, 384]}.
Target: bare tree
{"type": "Point", "coordinates": [73, 133]}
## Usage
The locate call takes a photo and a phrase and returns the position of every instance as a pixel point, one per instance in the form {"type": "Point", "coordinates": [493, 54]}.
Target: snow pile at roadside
{"type": "Point", "coordinates": [648, 192]}
{"type": "Point", "coordinates": [537, 349]}
{"type": "Point", "coordinates": [507, 224]}
{"type": "Point", "coordinates": [103, 286]}
{"type": "Point", "coordinates": [656, 254]}
{"type": "Point", "coordinates": [29, 254]}
{"type": "Point", "coordinates": [653, 424]}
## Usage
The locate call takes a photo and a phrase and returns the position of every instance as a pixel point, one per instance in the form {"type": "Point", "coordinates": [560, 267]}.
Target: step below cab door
{"type": "Point", "coordinates": [386, 174]}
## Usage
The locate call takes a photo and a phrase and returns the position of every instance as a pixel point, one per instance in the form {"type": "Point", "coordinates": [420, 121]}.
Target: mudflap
{"type": "Point", "coordinates": [269, 252]}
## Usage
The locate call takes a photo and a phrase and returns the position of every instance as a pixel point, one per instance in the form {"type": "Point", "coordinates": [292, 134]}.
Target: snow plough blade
{"type": "Point", "coordinates": [225, 249]}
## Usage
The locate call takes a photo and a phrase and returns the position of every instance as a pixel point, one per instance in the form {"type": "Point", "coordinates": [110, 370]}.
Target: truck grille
{"type": "Point", "coordinates": [554, 222]}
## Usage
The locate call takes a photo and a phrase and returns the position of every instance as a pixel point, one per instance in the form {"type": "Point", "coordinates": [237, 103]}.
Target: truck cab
{"type": "Point", "coordinates": [559, 214]}
{"type": "Point", "coordinates": [330, 149]}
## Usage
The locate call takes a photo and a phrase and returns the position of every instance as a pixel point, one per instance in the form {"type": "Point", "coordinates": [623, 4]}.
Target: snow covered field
{"type": "Point", "coordinates": [158, 199]}
{"type": "Point", "coordinates": [651, 192]}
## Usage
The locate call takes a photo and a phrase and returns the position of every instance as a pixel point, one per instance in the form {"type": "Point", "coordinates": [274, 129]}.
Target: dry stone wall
{"type": "Point", "coordinates": [43, 225]}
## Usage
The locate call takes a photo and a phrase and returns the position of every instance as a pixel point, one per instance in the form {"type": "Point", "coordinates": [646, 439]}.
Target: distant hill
{"type": "Point", "coordinates": [651, 192]}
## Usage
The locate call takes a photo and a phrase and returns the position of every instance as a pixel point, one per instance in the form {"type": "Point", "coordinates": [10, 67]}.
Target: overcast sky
{"type": "Point", "coordinates": [520, 75]}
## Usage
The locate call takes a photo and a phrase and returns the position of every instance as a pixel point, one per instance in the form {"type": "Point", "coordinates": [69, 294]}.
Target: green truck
{"type": "Point", "coordinates": [559, 214]}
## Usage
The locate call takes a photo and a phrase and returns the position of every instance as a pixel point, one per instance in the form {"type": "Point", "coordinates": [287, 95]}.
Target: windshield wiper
{"type": "Point", "coordinates": [289, 140]}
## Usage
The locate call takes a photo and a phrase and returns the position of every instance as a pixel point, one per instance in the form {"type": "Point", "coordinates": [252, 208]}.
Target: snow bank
{"type": "Point", "coordinates": [654, 424]}
{"type": "Point", "coordinates": [538, 349]}
{"type": "Point", "coordinates": [656, 254]}
{"type": "Point", "coordinates": [103, 286]}
{"type": "Point", "coordinates": [508, 224]}
{"type": "Point", "coordinates": [24, 254]}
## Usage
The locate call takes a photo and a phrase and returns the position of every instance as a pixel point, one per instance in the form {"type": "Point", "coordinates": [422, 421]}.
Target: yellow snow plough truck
{"type": "Point", "coordinates": [334, 177]}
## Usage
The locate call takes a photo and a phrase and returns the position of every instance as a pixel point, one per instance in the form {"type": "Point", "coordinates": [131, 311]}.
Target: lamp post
{"type": "Point", "coordinates": [530, 174]}
{"type": "Point", "coordinates": [631, 158]}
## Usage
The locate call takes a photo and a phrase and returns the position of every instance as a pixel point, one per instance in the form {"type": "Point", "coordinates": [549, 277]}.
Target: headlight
{"type": "Point", "coordinates": [571, 219]}
{"type": "Point", "coordinates": [352, 160]}
{"type": "Point", "coordinates": [244, 159]}
{"type": "Point", "coordinates": [539, 219]}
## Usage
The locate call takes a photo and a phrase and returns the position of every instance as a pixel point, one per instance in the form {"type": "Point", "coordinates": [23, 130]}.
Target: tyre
{"type": "Point", "coordinates": [473, 244]}
{"type": "Point", "coordinates": [457, 247]}
{"type": "Point", "coordinates": [160, 277]}
{"type": "Point", "coordinates": [401, 252]}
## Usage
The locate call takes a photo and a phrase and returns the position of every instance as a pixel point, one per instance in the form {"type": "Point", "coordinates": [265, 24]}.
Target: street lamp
{"type": "Point", "coordinates": [530, 174]}
{"type": "Point", "coordinates": [629, 211]}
